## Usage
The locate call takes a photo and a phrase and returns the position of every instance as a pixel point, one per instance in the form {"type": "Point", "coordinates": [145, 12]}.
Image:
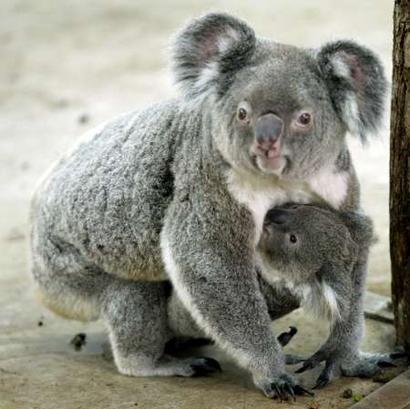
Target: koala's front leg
{"type": "Point", "coordinates": [211, 267]}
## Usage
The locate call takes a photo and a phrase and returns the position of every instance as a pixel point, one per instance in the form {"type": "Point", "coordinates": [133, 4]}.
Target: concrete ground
{"type": "Point", "coordinates": [67, 66]}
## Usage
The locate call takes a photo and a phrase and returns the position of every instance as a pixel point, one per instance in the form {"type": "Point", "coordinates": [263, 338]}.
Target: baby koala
{"type": "Point", "coordinates": [311, 251]}
{"type": "Point", "coordinates": [314, 255]}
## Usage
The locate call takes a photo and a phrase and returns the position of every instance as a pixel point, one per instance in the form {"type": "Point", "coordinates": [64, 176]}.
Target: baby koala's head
{"type": "Point", "coordinates": [307, 246]}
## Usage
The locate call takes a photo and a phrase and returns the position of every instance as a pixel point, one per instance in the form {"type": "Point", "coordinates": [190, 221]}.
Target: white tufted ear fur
{"type": "Point", "coordinates": [208, 51]}
{"type": "Point", "coordinates": [356, 83]}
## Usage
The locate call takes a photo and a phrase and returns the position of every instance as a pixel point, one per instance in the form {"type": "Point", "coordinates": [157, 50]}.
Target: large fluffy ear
{"type": "Point", "coordinates": [357, 85]}
{"type": "Point", "coordinates": [208, 52]}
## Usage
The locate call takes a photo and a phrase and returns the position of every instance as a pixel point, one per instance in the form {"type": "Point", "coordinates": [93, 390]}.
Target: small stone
{"type": "Point", "coordinates": [347, 394]}
{"type": "Point", "coordinates": [358, 397]}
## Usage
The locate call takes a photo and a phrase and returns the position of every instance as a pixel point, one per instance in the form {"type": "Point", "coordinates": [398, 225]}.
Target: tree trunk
{"type": "Point", "coordinates": [400, 173]}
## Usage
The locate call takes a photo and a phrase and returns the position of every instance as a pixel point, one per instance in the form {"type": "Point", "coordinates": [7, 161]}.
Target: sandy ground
{"type": "Point", "coordinates": [69, 65]}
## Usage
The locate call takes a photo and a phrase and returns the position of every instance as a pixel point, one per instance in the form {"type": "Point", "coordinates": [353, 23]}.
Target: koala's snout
{"type": "Point", "coordinates": [277, 216]}
{"type": "Point", "coordinates": [268, 130]}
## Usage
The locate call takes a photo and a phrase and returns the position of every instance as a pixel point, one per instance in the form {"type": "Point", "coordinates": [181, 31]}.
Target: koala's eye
{"type": "Point", "coordinates": [242, 114]}
{"type": "Point", "coordinates": [304, 119]}
{"type": "Point", "coordinates": [293, 238]}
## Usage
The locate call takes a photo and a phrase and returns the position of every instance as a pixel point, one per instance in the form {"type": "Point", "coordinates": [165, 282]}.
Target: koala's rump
{"type": "Point", "coordinates": [107, 198]}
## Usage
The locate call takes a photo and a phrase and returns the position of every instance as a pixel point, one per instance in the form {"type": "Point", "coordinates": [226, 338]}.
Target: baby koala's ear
{"type": "Point", "coordinates": [208, 52]}
{"type": "Point", "coordinates": [357, 85]}
{"type": "Point", "coordinates": [360, 227]}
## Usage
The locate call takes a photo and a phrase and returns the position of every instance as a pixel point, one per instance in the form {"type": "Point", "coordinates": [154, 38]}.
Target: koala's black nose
{"type": "Point", "coordinates": [268, 129]}
{"type": "Point", "coordinates": [277, 216]}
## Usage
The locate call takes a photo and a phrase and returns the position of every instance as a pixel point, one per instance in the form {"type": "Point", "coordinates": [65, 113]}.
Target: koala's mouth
{"type": "Point", "coordinates": [271, 163]}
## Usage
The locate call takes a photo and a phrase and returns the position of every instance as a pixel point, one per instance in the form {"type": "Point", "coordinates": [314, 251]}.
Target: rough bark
{"type": "Point", "coordinates": [400, 173]}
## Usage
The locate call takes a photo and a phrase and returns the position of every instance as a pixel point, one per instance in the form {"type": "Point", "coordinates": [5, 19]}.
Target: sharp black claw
{"type": "Point", "coordinates": [299, 390]}
{"type": "Point", "coordinates": [203, 366]}
{"type": "Point", "coordinates": [282, 393]}
{"type": "Point", "coordinates": [291, 359]}
{"type": "Point", "coordinates": [324, 377]}
{"type": "Point", "coordinates": [321, 383]}
{"type": "Point", "coordinates": [277, 392]}
{"type": "Point", "coordinates": [286, 392]}
{"type": "Point", "coordinates": [304, 367]}
{"type": "Point", "coordinates": [386, 364]}
{"type": "Point", "coordinates": [285, 337]}
{"type": "Point", "coordinates": [291, 392]}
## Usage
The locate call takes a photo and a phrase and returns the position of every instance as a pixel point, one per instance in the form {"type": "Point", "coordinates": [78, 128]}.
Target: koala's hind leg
{"type": "Point", "coordinates": [65, 282]}
{"type": "Point", "coordinates": [134, 312]}
{"type": "Point", "coordinates": [137, 320]}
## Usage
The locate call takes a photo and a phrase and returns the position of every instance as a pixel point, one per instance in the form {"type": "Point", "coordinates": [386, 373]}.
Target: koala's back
{"type": "Point", "coordinates": [106, 199]}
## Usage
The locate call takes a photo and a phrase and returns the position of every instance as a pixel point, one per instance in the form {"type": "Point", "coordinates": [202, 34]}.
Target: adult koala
{"type": "Point", "coordinates": [180, 189]}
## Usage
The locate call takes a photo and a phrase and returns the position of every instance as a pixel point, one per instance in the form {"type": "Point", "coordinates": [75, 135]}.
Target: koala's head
{"type": "Point", "coordinates": [301, 241]}
{"type": "Point", "coordinates": [277, 109]}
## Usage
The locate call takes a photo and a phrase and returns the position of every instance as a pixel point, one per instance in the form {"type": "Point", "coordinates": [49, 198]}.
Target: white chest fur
{"type": "Point", "coordinates": [261, 195]}
{"type": "Point", "coordinates": [330, 186]}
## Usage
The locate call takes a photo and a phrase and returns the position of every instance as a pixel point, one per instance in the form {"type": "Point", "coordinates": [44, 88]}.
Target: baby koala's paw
{"type": "Point", "coordinates": [363, 365]}
{"type": "Point", "coordinates": [283, 387]}
{"type": "Point", "coordinates": [367, 365]}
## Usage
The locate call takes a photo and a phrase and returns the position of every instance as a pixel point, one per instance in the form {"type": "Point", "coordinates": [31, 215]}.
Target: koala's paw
{"type": "Point", "coordinates": [368, 365]}
{"type": "Point", "coordinates": [282, 387]}
{"type": "Point", "coordinates": [361, 365]}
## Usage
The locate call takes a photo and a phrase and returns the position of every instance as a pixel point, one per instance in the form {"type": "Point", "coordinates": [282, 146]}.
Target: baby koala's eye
{"type": "Point", "coordinates": [293, 238]}
{"type": "Point", "coordinates": [242, 114]}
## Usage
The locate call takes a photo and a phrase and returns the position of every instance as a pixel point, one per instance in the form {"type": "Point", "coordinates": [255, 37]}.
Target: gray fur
{"type": "Point", "coordinates": [305, 249]}
{"type": "Point", "coordinates": [177, 190]}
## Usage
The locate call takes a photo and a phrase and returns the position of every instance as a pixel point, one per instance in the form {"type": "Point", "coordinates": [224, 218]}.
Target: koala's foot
{"type": "Point", "coordinates": [363, 365]}
{"type": "Point", "coordinates": [282, 387]}
{"type": "Point", "coordinates": [168, 366]}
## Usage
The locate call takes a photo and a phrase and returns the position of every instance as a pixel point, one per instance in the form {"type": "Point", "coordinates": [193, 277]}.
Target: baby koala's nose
{"type": "Point", "coordinates": [277, 216]}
